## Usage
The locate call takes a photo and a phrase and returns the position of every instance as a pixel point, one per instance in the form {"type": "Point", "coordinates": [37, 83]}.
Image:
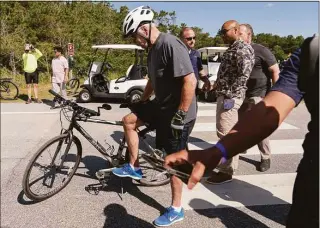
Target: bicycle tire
{"type": "Point", "coordinates": [73, 84]}
{"type": "Point", "coordinates": [15, 92]}
{"type": "Point", "coordinates": [25, 181]}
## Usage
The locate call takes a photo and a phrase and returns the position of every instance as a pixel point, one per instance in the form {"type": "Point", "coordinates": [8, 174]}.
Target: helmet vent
{"type": "Point", "coordinates": [130, 23]}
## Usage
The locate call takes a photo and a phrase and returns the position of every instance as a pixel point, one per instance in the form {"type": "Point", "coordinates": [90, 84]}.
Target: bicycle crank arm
{"type": "Point", "coordinates": [103, 173]}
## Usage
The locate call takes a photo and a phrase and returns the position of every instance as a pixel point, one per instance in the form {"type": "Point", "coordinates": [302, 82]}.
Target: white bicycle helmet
{"type": "Point", "coordinates": [135, 18]}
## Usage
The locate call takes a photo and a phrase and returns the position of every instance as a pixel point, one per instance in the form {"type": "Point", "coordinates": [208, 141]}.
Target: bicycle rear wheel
{"type": "Point", "coordinates": [8, 90]}
{"type": "Point", "coordinates": [52, 168]}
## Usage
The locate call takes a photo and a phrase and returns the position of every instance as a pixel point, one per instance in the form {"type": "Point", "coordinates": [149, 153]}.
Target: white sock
{"type": "Point", "coordinates": [134, 168]}
{"type": "Point", "coordinates": [176, 209]}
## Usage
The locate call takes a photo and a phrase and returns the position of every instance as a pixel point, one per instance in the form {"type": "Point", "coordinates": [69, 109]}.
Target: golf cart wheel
{"type": "Point", "coordinates": [85, 96]}
{"type": "Point", "coordinates": [135, 96]}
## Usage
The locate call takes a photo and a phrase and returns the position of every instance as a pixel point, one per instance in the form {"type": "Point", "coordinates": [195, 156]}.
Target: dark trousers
{"type": "Point", "coordinates": [304, 211]}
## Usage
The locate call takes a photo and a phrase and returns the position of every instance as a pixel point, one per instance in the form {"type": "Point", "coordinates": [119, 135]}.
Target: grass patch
{"type": "Point", "coordinates": [23, 93]}
{"type": "Point", "coordinates": [43, 93]}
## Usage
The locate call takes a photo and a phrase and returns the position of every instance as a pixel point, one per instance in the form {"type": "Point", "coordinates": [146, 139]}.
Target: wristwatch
{"type": "Point", "coordinates": [181, 112]}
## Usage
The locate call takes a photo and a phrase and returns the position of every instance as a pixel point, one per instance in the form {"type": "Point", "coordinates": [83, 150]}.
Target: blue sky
{"type": "Point", "coordinates": [281, 18]}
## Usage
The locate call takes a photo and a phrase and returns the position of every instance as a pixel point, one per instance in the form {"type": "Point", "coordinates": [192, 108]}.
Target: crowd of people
{"type": "Point", "coordinates": [253, 98]}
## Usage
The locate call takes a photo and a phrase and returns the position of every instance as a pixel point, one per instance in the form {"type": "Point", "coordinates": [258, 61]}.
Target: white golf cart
{"type": "Point", "coordinates": [129, 86]}
{"type": "Point", "coordinates": [211, 59]}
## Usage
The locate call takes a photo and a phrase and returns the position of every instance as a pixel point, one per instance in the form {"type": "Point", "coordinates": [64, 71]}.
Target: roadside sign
{"type": "Point", "coordinates": [70, 49]}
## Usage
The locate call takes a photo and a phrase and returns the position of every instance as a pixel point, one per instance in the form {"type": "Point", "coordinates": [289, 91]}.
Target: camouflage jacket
{"type": "Point", "coordinates": [235, 69]}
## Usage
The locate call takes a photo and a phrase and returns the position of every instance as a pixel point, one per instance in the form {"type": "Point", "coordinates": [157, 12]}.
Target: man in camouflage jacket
{"type": "Point", "coordinates": [234, 71]}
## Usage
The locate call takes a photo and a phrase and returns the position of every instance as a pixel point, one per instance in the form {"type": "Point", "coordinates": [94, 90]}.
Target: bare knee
{"type": "Point", "coordinates": [35, 85]}
{"type": "Point", "coordinates": [129, 121]}
{"type": "Point", "coordinates": [28, 85]}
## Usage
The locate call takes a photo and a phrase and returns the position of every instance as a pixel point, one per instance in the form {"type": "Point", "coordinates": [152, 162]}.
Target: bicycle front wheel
{"type": "Point", "coordinates": [8, 90]}
{"type": "Point", "coordinates": [52, 167]}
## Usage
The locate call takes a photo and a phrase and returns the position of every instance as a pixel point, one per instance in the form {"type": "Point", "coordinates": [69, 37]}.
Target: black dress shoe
{"type": "Point", "coordinates": [264, 165]}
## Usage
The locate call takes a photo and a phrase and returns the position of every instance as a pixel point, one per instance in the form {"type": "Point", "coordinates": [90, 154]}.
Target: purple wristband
{"type": "Point", "coordinates": [223, 151]}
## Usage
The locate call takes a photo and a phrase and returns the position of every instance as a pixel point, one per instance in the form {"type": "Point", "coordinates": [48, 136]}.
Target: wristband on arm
{"type": "Point", "coordinates": [223, 150]}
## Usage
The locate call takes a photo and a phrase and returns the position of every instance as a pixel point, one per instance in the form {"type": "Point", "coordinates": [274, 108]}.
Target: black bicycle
{"type": "Point", "coordinates": [56, 168]}
{"type": "Point", "coordinates": [8, 90]}
{"type": "Point", "coordinates": [73, 84]}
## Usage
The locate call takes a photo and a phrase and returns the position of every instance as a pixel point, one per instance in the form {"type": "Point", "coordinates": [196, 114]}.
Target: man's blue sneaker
{"type": "Point", "coordinates": [127, 171]}
{"type": "Point", "coordinates": [169, 217]}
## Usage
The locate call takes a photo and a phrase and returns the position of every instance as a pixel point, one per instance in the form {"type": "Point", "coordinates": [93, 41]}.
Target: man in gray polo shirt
{"type": "Point", "coordinates": [173, 111]}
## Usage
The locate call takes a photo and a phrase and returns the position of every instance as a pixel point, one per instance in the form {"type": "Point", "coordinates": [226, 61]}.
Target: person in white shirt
{"type": "Point", "coordinates": [60, 70]}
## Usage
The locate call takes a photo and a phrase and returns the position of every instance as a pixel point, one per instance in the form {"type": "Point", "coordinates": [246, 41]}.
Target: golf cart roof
{"type": "Point", "coordinates": [212, 49]}
{"type": "Point", "coordinates": [118, 46]}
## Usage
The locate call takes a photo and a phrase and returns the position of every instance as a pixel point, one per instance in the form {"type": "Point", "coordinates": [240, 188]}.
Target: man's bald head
{"type": "Point", "coordinates": [230, 31]}
{"type": "Point", "coordinates": [230, 24]}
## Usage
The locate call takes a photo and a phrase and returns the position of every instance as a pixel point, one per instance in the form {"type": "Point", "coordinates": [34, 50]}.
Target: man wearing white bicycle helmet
{"type": "Point", "coordinates": [173, 111]}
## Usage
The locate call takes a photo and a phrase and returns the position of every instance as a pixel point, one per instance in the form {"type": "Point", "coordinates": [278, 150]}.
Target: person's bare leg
{"type": "Point", "coordinates": [29, 91]}
{"type": "Point", "coordinates": [130, 123]}
{"type": "Point", "coordinates": [35, 88]}
{"type": "Point", "coordinates": [176, 190]}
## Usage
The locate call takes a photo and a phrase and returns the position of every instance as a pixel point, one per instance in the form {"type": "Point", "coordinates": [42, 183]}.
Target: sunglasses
{"type": "Point", "coordinates": [224, 31]}
{"type": "Point", "coordinates": [190, 38]}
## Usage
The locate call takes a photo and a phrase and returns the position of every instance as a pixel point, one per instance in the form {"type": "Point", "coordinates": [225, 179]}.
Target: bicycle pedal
{"type": "Point", "coordinates": [93, 188]}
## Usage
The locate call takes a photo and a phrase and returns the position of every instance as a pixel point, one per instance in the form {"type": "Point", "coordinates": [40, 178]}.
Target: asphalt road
{"type": "Point", "coordinates": [252, 199]}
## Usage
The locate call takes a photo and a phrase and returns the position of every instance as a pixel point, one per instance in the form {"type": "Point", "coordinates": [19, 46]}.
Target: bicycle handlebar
{"type": "Point", "coordinates": [74, 105]}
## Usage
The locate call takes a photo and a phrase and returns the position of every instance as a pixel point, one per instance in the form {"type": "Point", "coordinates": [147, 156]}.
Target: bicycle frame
{"type": "Point", "coordinates": [108, 153]}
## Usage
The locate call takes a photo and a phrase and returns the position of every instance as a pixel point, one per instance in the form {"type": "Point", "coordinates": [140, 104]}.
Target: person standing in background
{"type": "Point", "coordinates": [264, 70]}
{"type": "Point", "coordinates": [30, 64]}
{"type": "Point", "coordinates": [60, 70]}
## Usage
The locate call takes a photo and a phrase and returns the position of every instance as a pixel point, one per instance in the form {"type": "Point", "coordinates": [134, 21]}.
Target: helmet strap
{"type": "Point", "coordinates": [148, 39]}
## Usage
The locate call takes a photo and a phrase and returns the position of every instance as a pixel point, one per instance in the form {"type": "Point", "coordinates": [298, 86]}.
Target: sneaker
{"type": "Point", "coordinates": [264, 165]}
{"type": "Point", "coordinates": [139, 171]}
{"type": "Point", "coordinates": [219, 178]}
{"type": "Point", "coordinates": [29, 101]}
{"type": "Point", "coordinates": [169, 217]}
{"type": "Point", "coordinates": [127, 171]}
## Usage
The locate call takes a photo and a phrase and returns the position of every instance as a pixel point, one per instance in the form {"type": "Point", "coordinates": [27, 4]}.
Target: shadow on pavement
{"type": "Point", "coordinates": [250, 161]}
{"type": "Point", "coordinates": [47, 102]}
{"type": "Point", "coordinates": [118, 217]}
{"type": "Point", "coordinates": [246, 194]}
{"type": "Point", "coordinates": [94, 163]}
{"type": "Point", "coordinates": [26, 201]}
{"type": "Point", "coordinates": [230, 217]}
